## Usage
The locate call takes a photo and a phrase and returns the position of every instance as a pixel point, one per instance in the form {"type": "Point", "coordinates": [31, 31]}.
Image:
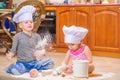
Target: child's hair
{"type": "Point", "coordinates": [74, 34]}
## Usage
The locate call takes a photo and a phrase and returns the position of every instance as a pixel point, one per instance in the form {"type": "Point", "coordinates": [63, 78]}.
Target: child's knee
{"type": "Point", "coordinates": [16, 69]}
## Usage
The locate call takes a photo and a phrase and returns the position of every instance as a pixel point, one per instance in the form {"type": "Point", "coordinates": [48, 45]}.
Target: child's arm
{"type": "Point", "coordinates": [64, 65]}
{"type": "Point", "coordinates": [13, 50]}
{"type": "Point", "coordinates": [67, 58]}
{"type": "Point", "coordinates": [88, 53]}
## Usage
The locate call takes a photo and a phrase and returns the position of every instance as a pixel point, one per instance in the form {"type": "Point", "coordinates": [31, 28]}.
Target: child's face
{"type": "Point", "coordinates": [26, 26]}
{"type": "Point", "coordinates": [74, 47]}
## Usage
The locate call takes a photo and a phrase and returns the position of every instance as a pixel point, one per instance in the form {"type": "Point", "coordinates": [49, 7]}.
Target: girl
{"type": "Point", "coordinates": [77, 51]}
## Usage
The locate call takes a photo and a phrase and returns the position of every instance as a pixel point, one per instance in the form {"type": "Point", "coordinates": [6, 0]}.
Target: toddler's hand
{"type": "Point", "coordinates": [39, 54]}
{"type": "Point", "coordinates": [59, 70]}
{"type": "Point", "coordinates": [8, 56]}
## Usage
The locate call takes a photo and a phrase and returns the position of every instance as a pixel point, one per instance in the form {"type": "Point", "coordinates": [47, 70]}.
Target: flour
{"type": "Point", "coordinates": [104, 76]}
{"type": "Point", "coordinates": [42, 46]}
{"type": "Point", "coordinates": [40, 77]}
{"type": "Point", "coordinates": [43, 43]}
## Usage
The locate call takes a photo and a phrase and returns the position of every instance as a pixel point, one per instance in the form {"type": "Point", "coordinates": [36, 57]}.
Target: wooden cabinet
{"type": "Point", "coordinates": [101, 21]}
{"type": "Point", "coordinates": [71, 15]}
{"type": "Point", "coordinates": [105, 28]}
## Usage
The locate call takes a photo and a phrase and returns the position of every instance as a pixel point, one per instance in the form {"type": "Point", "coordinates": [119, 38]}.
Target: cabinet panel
{"type": "Point", "coordinates": [63, 18]}
{"type": "Point", "coordinates": [105, 28]}
{"type": "Point", "coordinates": [82, 16]}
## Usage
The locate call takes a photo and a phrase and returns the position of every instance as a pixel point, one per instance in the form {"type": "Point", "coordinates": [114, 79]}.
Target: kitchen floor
{"type": "Point", "coordinates": [106, 68]}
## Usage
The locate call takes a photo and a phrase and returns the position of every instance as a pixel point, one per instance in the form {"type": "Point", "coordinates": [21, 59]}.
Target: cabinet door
{"type": "Point", "coordinates": [64, 17]}
{"type": "Point", "coordinates": [105, 28]}
{"type": "Point", "coordinates": [68, 16]}
{"type": "Point", "coordinates": [82, 18]}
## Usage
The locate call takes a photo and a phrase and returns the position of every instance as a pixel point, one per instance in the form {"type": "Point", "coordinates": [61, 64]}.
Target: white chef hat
{"type": "Point", "coordinates": [74, 34]}
{"type": "Point", "coordinates": [25, 13]}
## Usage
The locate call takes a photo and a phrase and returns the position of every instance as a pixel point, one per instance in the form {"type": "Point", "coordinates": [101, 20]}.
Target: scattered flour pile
{"type": "Point", "coordinates": [104, 75]}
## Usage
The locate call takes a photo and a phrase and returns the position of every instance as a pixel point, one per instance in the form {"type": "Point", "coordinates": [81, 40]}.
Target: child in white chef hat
{"type": "Point", "coordinates": [24, 44]}
{"type": "Point", "coordinates": [73, 37]}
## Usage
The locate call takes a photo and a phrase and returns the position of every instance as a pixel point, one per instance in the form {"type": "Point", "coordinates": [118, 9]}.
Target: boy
{"type": "Point", "coordinates": [24, 44]}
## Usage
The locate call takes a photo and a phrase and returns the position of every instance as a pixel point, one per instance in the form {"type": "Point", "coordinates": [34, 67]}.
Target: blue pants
{"type": "Point", "coordinates": [22, 67]}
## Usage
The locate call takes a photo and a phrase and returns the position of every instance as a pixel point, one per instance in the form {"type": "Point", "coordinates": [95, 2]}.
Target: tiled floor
{"type": "Point", "coordinates": [102, 64]}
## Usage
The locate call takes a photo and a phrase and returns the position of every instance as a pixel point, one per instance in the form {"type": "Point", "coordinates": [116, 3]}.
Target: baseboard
{"type": "Point", "coordinates": [106, 54]}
